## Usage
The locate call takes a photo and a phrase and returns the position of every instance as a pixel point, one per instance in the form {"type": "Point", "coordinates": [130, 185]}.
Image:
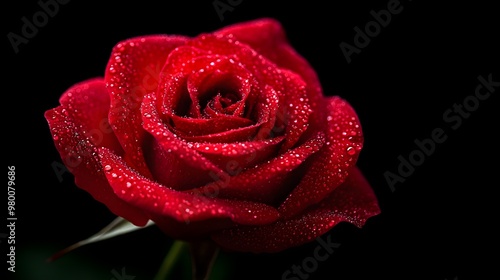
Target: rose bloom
{"type": "Point", "coordinates": [224, 136]}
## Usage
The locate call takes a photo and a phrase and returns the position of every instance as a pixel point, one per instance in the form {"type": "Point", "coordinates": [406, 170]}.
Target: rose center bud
{"type": "Point", "coordinates": [212, 100]}
{"type": "Point", "coordinates": [216, 94]}
{"type": "Point", "coordinates": [220, 101]}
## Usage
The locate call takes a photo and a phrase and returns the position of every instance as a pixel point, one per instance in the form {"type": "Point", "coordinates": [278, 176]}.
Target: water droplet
{"type": "Point", "coordinates": [107, 167]}
{"type": "Point", "coordinates": [129, 184]}
{"type": "Point", "coordinates": [351, 151]}
{"type": "Point", "coordinates": [114, 175]}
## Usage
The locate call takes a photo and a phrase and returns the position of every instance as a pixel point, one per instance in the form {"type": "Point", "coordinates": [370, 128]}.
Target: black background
{"type": "Point", "coordinates": [438, 224]}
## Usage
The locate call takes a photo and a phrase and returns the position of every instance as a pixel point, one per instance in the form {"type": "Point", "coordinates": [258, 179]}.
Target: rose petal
{"type": "Point", "coordinates": [234, 157]}
{"type": "Point", "coordinates": [198, 127]}
{"type": "Point", "coordinates": [329, 168]}
{"type": "Point", "coordinates": [133, 71]}
{"type": "Point", "coordinates": [141, 192]}
{"type": "Point", "coordinates": [297, 109]}
{"type": "Point", "coordinates": [230, 136]}
{"type": "Point", "coordinates": [353, 202]}
{"type": "Point", "coordinates": [267, 37]}
{"type": "Point", "coordinates": [78, 127]}
{"type": "Point", "coordinates": [174, 170]}
{"type": "Point", "coordinates": [265, 182]}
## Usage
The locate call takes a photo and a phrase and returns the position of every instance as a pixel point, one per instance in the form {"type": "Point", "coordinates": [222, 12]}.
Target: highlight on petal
{"type": "Point", "coordinates": [78, 128]}
{"type": "Point", "coordinates": [353, 202]}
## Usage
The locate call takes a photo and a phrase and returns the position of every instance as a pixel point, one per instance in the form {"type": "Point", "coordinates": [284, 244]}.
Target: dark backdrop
{"type": "Point", "coordinates": [437, 224]}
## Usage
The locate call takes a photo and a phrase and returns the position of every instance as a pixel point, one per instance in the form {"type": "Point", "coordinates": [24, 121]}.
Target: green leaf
{"type": "Point", "coordinates": [117, 227]}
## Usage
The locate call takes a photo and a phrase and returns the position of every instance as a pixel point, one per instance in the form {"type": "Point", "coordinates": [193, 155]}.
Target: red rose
{"type": "Point", "coordinates": [226, 135]}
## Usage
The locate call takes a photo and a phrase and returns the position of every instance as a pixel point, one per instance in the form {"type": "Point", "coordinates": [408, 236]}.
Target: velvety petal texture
{"type": "Point", "coordinates": [353, 202]}
{"type": "Point", "coordinates": [79, 126]}
{"type": "Point", "coordinates": [226, 135]}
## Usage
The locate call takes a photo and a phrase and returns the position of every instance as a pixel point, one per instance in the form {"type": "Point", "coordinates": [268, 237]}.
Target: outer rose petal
{"type": "Point", "coordinates": [268, 38]}
{"type": "Point", "coordinates": [331, 165]}
{"type": "Point", "coordinates": [132, 72]}
{"type": "Point", "coordinates": [160, 200]}
{"type": "Point", "coordinates": [78, 127]}
{"type": "Point", "coordinates": [354, 202]}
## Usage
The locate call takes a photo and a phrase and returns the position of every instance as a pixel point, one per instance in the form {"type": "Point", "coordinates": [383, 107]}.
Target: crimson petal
{"type": "Point", "coordinates": [331, 165]}
{"type": "Point", "coordinates": [235, 157]}
{"type": "Point", "coordinates": [268, 38]}
{"type": "Point", "coordinates": [132, 71]}
{"type": "Point", "coordinates": [161, 200]}
{"type": "Point", "coordinates": [78, 127]}
{"type": "Point", "coordinates": [353, 202]}
{"type": "Point", "coordinates": [198, 127]}
{"type": "Point", "coordinates": [265, 182]}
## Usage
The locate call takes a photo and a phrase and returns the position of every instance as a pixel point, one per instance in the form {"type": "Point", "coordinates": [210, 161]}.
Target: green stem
{"type": "Point", "coordinates": [203, 255]}
{"type": "Point", "coordinates": [169, 261]}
